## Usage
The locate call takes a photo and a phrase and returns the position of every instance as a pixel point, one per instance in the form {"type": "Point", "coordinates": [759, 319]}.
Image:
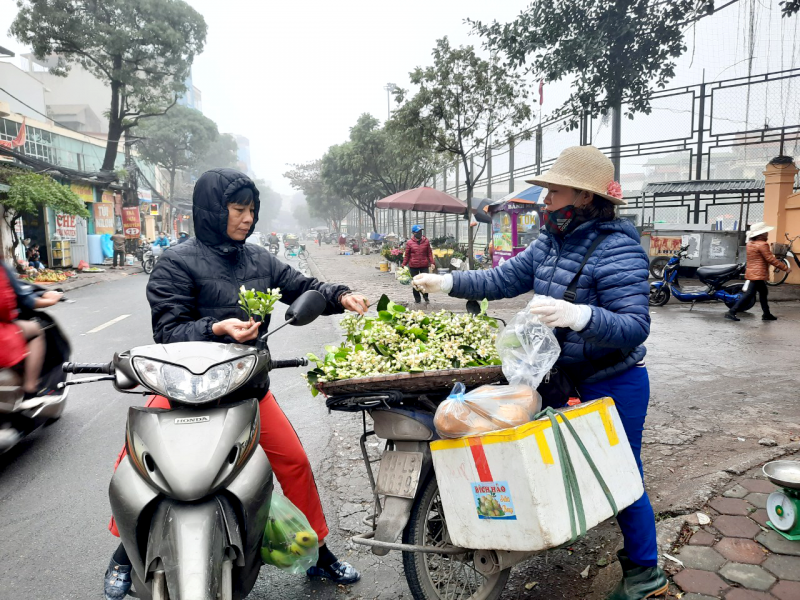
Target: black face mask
{"type": "Point", "coordinates": [418, 235]}
{"type": "Point", "coordinates": [560, 222]}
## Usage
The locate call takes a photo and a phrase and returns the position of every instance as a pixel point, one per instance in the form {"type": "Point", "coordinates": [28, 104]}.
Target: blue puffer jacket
{"type": "Point", "coordinates": [613, 283]}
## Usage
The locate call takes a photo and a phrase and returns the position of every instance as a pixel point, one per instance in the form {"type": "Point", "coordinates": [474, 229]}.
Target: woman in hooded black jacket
{"type": "Point", "coordinates": [194, 296]}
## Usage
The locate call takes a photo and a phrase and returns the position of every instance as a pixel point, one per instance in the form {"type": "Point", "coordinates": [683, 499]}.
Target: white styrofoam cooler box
{"type": "Point", "coordinates": [504, 490]}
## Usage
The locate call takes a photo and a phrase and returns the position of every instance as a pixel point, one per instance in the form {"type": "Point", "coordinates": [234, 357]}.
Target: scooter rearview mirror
{"type": "Point", "coordinates": [306, 308]}
{"type": "Point", "coordinates": [473, 307]}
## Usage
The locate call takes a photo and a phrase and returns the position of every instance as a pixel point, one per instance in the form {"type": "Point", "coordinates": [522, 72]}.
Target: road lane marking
{"type": "Point", "coordinates": [108, 324]}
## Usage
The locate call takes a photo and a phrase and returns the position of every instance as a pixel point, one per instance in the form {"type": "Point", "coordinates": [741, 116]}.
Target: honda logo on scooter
{"type": "Point", "coordinates": [189, 420]}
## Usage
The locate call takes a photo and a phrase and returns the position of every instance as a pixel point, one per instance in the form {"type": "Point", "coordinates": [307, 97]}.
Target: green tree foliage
{"type": "Point", "coordinates": [221, 154]}
{"type": "Point", "coordinates": [377, 162]}
{"type": "Point", "coordinates": [789, 7]}
{"type": "Point", "coordinates": [461, 102]}
{"type": "Point", "coordinates": [29, 191]}
{"type": "Point", "coordinates": [322, 202]}
{"type": "Point", "coordinates": [177, 140]}
{"type": "Point", "coordinates": [143, 49]}
{"type": "Point", "coordinates": [611, 50]}
{"type": "Point", "coordinates": [271, 202]}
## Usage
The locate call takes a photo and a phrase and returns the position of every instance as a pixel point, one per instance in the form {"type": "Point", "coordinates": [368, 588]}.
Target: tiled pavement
{"type": "Point", "coordinates": [737, 556]}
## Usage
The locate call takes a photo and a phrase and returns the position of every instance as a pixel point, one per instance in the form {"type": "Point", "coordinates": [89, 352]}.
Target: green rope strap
{"type": "Point", "coordinates": [568, 475]}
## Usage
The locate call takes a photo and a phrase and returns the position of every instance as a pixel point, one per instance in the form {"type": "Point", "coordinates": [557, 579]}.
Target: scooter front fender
{"type": "Point", "coordinates": [189, 541]}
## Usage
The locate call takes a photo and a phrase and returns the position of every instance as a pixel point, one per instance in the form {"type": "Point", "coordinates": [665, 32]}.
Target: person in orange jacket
{"type": "Point", "coordinates": [759, 259]}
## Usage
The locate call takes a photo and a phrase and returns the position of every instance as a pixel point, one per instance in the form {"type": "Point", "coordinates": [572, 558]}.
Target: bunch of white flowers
{"type": "Point", "coordinates": [399, 340]}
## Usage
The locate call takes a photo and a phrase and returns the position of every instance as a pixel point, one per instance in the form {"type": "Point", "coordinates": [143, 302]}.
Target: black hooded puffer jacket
{"type": "Point", "coordinates": [196, 284]}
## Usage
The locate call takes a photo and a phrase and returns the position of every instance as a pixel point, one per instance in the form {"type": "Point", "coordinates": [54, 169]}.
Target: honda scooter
{"type": "Point", "coordinates": [19, 417]}
{"type": "Point", "coordinates": [191, 498]}
{"type": "Point", "coordinates": [715, 278]}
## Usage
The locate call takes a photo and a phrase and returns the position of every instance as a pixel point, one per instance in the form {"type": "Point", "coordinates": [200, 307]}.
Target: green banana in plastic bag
{"type": "Point", "coordinates": [289, 543]}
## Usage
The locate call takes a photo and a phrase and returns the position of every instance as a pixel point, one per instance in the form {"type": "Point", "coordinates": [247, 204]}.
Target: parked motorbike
{"type": "Point", "coordinates": [273, 249]}
{"type": "Point", "coordinates": [149, 260]}
{"type": "Point", "coordinates": [18, 417]}
{"type": "Point", "coordinates": [715, 278]}
{"type": "Point", "coordinates": [191, 497]}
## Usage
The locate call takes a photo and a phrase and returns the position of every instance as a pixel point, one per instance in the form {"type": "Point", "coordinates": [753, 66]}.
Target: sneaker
{"type": "Point", "coordinates": [769, 318]}
{"type": "Point", "coordinates": [117, 582]}
{"type": "Point", "coordinates": [732, 316]}
{"type": "Point", "coordinates": [427, 301]}
{"type": "Point", "coordinates": [341, 573]}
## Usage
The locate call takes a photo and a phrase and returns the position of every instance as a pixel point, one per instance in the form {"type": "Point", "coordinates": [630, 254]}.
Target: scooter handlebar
{"type": "Point", "coordinates": [105, 368]}
{"type": "Point", "coordinates": [287, 363]}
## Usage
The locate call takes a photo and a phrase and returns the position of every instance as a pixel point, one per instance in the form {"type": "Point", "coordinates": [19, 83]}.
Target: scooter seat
{"type": "Point", "coordinates": [716, 271]}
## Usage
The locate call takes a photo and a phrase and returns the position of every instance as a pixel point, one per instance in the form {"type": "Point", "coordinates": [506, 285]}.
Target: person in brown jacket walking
{"type": "Point", "coordinates": [759, 258]}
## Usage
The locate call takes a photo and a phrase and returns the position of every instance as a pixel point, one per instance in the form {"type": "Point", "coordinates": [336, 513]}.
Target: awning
{"type": "Point", "coordinates": [705, 186]}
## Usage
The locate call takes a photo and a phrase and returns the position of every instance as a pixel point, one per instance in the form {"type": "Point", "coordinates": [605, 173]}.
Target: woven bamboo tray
{"type": "Point", "coordinates": [429, 381]}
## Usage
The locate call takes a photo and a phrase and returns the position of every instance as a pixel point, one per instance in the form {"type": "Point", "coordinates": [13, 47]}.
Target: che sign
{"type": "Point", "coordinates": [66, 226]}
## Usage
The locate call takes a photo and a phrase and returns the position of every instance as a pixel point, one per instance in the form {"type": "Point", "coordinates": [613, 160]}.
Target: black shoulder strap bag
{"type": "Point", "coordinates": [560, 384]}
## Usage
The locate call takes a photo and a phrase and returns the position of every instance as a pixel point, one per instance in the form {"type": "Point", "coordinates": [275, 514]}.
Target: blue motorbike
{"type": "Point", "coordinates": [716, 286]}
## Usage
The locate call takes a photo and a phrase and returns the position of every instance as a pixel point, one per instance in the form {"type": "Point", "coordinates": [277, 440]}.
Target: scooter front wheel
{"type": "Point", "coordinates": [438, 576]}
{"type": "Point", "coordinates": [148, 266]}
{"type": "Point", "coordinates": [659, 296]}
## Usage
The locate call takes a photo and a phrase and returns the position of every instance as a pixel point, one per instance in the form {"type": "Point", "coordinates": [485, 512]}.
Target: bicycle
{"type": "Point", "coordinates": [303, 253]}
{"type": "Point", "coordinates": [778, 276]}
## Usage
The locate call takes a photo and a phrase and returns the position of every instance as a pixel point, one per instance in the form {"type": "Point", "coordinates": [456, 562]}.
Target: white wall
{"type": "Point", "coordinates": [79, 87]}
{"type": "Point", "coordinates": [25, 87]}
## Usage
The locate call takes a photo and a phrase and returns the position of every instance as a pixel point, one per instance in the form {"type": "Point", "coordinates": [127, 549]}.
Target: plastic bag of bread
{"type": "Point", "coordinates": [484, 409]}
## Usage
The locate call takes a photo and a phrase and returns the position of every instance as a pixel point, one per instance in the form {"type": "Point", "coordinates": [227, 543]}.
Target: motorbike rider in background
{"type": "Point", "coordinates": [194, 296]}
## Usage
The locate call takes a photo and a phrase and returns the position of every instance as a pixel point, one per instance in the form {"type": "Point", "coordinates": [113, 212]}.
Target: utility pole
{"type": "Point", "coordinates": [389, 87]}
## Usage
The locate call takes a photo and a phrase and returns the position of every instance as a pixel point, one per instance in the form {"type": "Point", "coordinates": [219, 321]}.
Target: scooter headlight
{"type": "Point", "coordinates": [182, 385]}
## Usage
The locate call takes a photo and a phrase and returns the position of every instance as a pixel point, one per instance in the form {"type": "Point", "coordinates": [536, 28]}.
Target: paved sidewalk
{"type": "Point", "coordinates": [361, 273]}
{"type": "Point", "coordinates": [730, 552]}
{"type": "Point", "coordinates": [84, 279]}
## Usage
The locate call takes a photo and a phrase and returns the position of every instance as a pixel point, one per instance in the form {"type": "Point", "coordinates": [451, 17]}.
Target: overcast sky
{"type": "Point", "coordinates": [293, 76]}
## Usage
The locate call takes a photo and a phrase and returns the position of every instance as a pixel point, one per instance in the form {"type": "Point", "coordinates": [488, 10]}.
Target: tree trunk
{"type": "Point", "coordinates": [114, 129]}
{"type": "Point", "coordinates": [374, 222]}
{"type": "Point", "coordinates": [171, 184]}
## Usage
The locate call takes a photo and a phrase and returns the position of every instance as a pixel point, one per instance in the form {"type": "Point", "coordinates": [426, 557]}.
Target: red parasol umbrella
{"type": "Point", "coordinates": [423, 199]}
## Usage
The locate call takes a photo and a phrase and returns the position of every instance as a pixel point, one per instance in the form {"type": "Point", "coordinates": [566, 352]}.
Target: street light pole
{"type": "Point", "coordinates": [389, 87]}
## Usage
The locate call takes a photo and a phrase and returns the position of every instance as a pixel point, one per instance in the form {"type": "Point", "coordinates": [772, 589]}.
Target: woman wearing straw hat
{"type": "Point", "coordinates": [759, 258]}
{"type": "Point", "coordinates": [602, 324]}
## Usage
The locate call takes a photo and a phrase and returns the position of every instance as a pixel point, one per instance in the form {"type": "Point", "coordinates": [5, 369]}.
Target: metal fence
{"type": "Point", "coordinates": [716, 130]}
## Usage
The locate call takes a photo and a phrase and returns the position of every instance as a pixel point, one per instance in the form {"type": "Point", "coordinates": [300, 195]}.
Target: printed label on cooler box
{"type": "Point", "coordinates": [493, 500]}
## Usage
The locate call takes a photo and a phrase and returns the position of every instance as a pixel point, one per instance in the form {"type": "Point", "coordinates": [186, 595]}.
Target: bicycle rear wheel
{"type": "Point", "coordinates": [777, 276]}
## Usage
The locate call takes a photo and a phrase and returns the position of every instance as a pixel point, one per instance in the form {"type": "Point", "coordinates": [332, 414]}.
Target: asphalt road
{"type": "Point", "coordinates": [53, 486]}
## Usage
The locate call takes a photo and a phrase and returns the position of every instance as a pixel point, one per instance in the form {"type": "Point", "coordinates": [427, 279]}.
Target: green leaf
{"type": "Point", "coordinates": [385, 315]}
{"type": "Point", "coordinates": [383, 349]}
{"type": "Point", "coordinates": [419, 333]}
{"type": "Point", "coordinates": [468, 349]}
{"type": "Point", "coordinates": [312, 356]}
{"type": "Point", "coordinates": [383, 303]}
{"type": "Point", "coordinates": [399, 308]}
{"type": "Point", "coordinates": [484, 306]}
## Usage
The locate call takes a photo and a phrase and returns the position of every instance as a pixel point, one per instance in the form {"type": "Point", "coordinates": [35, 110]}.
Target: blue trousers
{"type": "Point", "coordinates": [631, 393]}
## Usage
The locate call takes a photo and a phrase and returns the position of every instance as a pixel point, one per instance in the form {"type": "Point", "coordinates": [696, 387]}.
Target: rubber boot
{"type": "Point", "coordinates": [638, 582]}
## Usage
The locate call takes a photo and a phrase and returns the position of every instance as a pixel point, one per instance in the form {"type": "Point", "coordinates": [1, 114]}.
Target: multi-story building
{"type": "Point", "coordinates": [24, 119]}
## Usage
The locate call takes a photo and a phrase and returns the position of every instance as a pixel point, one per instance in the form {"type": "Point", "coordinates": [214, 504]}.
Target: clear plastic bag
{"type": "Point", "coordinates": [484, 409]}
{"type": "Point", "coordinates": [527, 348]}
{"type": "Point", "coordinates": [289, 542]}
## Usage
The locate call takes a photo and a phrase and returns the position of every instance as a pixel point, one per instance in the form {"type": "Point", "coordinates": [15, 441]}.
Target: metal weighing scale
{"type": "Point", "coordinates": [783, 506]}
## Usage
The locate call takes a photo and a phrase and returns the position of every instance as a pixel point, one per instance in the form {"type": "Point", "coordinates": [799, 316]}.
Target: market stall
{"type": "Point", "coordinates": [515, 223]}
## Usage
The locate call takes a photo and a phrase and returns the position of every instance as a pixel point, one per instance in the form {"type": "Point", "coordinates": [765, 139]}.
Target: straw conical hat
{"type": "Point", "coordinates": [583, 168]}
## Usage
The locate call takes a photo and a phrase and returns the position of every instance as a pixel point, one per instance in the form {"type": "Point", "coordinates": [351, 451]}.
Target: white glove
{"type": "Point", "coordinates": [428, 283]}
{"type": "Point", "coordinates": [560, 313]}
